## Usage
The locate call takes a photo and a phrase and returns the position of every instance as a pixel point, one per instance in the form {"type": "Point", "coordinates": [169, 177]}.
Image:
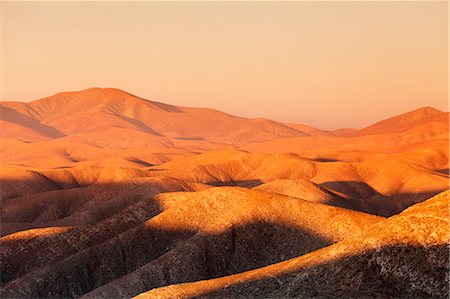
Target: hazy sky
{"type": "Point", "coordinates": [329, 64]}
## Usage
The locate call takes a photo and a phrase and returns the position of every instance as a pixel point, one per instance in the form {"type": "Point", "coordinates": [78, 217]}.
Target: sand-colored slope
{"type": "Point", "coordinates": [404, 122]}
{"type": "Point", "coordinates": [93, 113]}
{"type": "Point", "coordinates": [405, 256]}
{"type": "Point", "coordinates": [432, 154]}
{"type": "Point", "coordinates": [95, 213]}
{"type": "Point", "coordinates": [18, 181]}
{"type": "Point", "coordinates": [299, 188]}
{"type": "Point", "coordinates": [17, 125]}
{"type": "Point", "coordinates": [60, 153]}
{"type": "Point", "coordinates": [377, 187]}
{"type": "Point", "coordinates": [92, 110]}
{"type": "Point", "coordinates": [311, 131]}
{"type": "Point", "coordinates": [98, 126]}
{"type": "Point", "coordinates": [425, 129]}
{"type": "Point", "coordinates": [342, 148]}
{"type": "Point", "coordinates": [82, 205]}
{"type": "Point", "coordinates": [231, 222]}
{"type": "Point", "coordinates": [22, 133]}
{"type": "Point", "coordinates": [93, 148]}
{"type": "Point", "coordinates": [121, 138]}
{"type": "Point", "coordinates": [232, 167]}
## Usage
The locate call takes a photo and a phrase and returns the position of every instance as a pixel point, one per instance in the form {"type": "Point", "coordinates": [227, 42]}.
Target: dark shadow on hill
{"type": "Point", "coordinates": [22, 255]}
{"type": "Point", "coordinates": [363, 198]}
{"type": "Point", "coordinates": [139, 124]}
{"type": "Point", "coordinates": [253, 245]}
{"type": "Point", "coordinates": [324, 159]}
{"type": "Point", "coordinates": [236, 183]}
{"type": "Point", "coordinates": [49, 203]}
{"type": "Point", "coordinates": [351, 188]}
{"type": "Point", "coordinates": [20, 119]}
{"type": "Point", "coordinates": [159, 257]}
{"type": "Point", "coordinates": [113, 242]}
{"type": "Point", "coordinates": [386, 272]}
{"type": "Point", "coordinates": [140, 162]}
{"type": "Point", "coordinates": [204, 256]}
{"type": "Point", "coordinates": [189, 138]}
{"type": "Point", "coordinates": [93, 214]}
{"type": "Point", "coordinates": [76, 206]}
{"type": "Point", "coordinates": [165, 107]}
{"type": "Point", "coordinates": [443, 171]}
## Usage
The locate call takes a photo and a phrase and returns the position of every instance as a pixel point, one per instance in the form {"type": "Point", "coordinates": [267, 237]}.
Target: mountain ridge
{"type": "Point", "coordinates": [91, 109]}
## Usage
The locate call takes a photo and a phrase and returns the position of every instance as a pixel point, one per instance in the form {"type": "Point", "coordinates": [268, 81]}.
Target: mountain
{"type": "Point", "coordinates": [99, 126]}
{"type": "Point", "coordinates": [109, 117]}
{"type": "Point", "coordinates": [91, 112]}
{"type": "Point", "coordinates": [410, 120]}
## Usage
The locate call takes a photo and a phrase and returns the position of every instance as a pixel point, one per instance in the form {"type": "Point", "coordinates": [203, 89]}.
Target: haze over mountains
{"type": "Point", "coordinates": [95, 111]}
{"type": "Point", "coordinates": [104, 194]}
{"type": "Point", "coordinates": [96, 118]}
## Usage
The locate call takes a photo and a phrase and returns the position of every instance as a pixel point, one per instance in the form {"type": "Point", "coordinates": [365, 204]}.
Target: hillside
{"type": "Point", "coordinates": [107, 126]}
{"type": "Point", "coordinates": [191, 227]}
{"type": "Point", "coordinates": [107, 195]}
{"type": "Point", "coordinates": [108, 111]}
{"type": "Point", "coordinates": [404, 256]}
{"type": "Point", "coordinates": [404, 121]}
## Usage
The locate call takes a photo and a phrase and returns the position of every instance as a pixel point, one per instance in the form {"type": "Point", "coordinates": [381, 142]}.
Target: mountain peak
{"type": "Point", "coordinates": [399, 122]}
{"type": "Point", "coordinates": [111, 99]}
{"type": "Point", "coordinates": [424, 112]}
{"type": "Point", "coordinates": [95, 93]}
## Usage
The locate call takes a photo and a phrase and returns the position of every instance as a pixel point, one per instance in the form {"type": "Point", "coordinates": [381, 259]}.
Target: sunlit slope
{"type": "Point", "coordinates": [377, 187]}
{"type": "Point", "coordinates": [98, 126]}
{"type": "Point", "coordinates": [381, 187]}
{"type": "Point", "coordinates": [413, 120]}
{"type": "Point", "coordinates": [90, 112]}
{"type": "Point", "coordinates": [206, 234]}
{"type": "Point", "coordinates": [405, 256]}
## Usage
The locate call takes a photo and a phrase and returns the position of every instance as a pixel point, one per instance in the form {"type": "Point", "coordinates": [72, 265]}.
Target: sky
{"type": "Point", "coordinates": [327, 64]}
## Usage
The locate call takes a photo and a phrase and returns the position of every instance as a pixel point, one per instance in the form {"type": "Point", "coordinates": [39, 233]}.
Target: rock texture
{"type": "Point", "coordinates": [404, 256]}
{"type": "Point", "coordinates": [207, 234]}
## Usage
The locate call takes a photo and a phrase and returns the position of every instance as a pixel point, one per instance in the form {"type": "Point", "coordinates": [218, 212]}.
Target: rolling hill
{"type": "Point", "coordinates": [404, 256]}
{"type": "Point", "coordinates": [107, 195]}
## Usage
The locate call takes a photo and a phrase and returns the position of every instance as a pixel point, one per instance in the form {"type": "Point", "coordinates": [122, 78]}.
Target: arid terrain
{"type": "Point", "coordinates": [108, 195]}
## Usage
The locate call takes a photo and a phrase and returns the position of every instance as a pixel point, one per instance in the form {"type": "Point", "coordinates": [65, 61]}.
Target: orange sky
{"type": "Point", "coordinates": [329, 64]}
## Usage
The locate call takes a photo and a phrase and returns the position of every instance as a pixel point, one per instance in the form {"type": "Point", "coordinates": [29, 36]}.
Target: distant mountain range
{"type": "Point", "coordinates": [111, 118]}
